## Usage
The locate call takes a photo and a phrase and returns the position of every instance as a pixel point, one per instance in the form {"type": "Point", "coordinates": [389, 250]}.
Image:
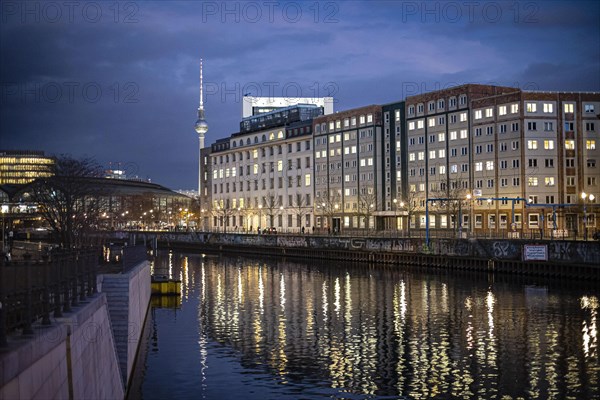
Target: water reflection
{"type": "Point", "coordinates": [283, 329]}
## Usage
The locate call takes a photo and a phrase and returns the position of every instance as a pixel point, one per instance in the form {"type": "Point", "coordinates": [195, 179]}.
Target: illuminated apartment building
{"type": "Point", "coordinates": [349, 169]}
{"type": "Point", "coordinates": [539, 146]}
{"type": "Point", "coordinates": [262, 176]}
{"type": "Point", "coordinates": [498, 160]}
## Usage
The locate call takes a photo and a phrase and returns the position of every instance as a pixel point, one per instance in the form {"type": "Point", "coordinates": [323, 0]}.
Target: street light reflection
{"type": "Point", "coordinates": [590, 329]}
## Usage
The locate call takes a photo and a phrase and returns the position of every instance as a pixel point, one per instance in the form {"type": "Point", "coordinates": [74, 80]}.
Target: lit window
{"type": "Point", "coordinates": [411, 126]}
{"type": "Point", "coordinates": [549, 144]}
{"type": "Point", "coordinates": [590, 144]}
{"type": "Point", "coordinates": [478, 114]}
{"type": "Point", "coordinates": [502, 110]}
{"type": "Point", "coordinates": [489, 112]}
{"type": "Point", "coordinates": [514, 108]}
{"type": "Point", "coordinates": [531, 107]}
{"type": "Point", "coordinates": [479, 166]}
{"type": "Point", "coordinates": [532, 144]}
{"type": "Point", "coordinates": [532, 181]}
{"type": "Point", "coordinates": [568, 108]}
{"type": "Point", "coordinates": [548, 108]}
{"type": "Point", "coordinates": [549, 181]}
{"type": "Point", "coordinates": [570, 144]}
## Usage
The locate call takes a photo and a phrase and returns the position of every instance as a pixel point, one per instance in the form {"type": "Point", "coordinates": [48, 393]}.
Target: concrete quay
{"type": "Point", "coordinates": [89, 352]}
{"type": "Point", "coordinates": [549, 258]}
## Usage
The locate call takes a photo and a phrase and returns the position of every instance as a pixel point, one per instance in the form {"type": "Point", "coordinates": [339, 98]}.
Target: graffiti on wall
{"type": "Point", "coordinates": [291, 241]}
{"type": "Point", "coordinates": [501, 249]}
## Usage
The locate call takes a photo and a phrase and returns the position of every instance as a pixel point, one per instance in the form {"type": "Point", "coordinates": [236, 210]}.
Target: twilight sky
{"type": "Point", "coordinates": [119, 81]}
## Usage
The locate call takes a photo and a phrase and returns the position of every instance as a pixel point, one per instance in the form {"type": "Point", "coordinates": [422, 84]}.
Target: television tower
{"type": "Point", "coordinates": [201, 128]}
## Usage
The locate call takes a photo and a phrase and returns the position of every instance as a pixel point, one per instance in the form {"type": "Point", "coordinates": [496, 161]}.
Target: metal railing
{"type": "Point", "coordinates": [33, 290]}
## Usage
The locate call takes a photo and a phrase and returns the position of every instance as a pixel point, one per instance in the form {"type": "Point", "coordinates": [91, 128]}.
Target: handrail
{"type": "Point", "coordinates": [30, 290]}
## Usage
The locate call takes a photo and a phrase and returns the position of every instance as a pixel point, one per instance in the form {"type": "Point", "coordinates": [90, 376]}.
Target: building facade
{"type": "Point", "coordinates": [262, 176]}
{"type": "Point", "coordinates": [538, 146]}
{"type": "Point", "coordinates": [500, 161]}
{"type": "Point", "coordinates": [19, 167]}
{"type": "Point", "coordinates": [349, 169]}
{"type": "Point", "coordinates": [395, 183]}
{"type": "Point", "coordinates": [472, 159]}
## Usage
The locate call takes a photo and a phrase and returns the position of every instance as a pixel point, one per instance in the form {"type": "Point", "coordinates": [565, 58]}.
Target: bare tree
{"type": "Point", "coordinates": [300, 207]}
{"type": "Point", "coordinates": [328, 205]}
{"type": "Point", "coordinates": [223, 212]}
{"type": "Point", "coordinates": [454, 195]}
{"type": "Point", "coordinates": [71, 200]}
{"type": "Point", "coordinates": [367, 204]}
{"type": "Point", "coordinates": [271, 206]}
{"type": "Point", "coordinates": [412, 204]}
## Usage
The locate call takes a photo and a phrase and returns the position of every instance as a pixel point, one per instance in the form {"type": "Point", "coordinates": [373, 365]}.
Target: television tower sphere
{"type": "Point", "coordinates": [201, 126]}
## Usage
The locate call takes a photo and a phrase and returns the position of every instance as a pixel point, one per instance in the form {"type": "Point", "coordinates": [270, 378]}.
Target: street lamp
{"type": "Point", "coordinates": [336, 227]}
{"type": "Point", "coordinates": [469, 198]}
{"type": "Point", "coordinates": [489, 203]}
{"type": "Point", "coordinates": [395, 201]}
{"type": "Point", "coordinates": [584, 197]}
{"type": "Point", "coordinates": [281, 214]}
{"type": "Point", "coordinates": [4, 210]}
{"type": "Point", "coordinates": [220, 219]}
{"type": "Point", "coordinates": [259, 217]}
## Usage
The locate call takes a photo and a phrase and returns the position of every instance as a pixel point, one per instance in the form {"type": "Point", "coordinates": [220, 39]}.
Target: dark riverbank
{"type": "Point", "coordinates": [564, 259]}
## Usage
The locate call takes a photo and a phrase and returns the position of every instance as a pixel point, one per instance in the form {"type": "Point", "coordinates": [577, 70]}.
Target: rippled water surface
{"type": "Point", "coordinates": [252, 329]}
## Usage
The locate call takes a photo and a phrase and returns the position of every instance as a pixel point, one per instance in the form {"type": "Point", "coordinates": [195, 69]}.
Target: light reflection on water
{"type": "Point", "coordinates": [274, 329]}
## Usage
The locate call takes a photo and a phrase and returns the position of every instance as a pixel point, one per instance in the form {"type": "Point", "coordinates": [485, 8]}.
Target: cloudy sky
{"type": "Point", "coordinates": [118, 81]}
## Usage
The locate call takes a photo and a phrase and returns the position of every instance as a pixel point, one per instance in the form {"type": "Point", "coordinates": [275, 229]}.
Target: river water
{"type": "Point", "coordinates": [274, 329]}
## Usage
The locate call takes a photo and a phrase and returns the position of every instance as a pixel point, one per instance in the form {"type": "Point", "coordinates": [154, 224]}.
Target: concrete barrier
{"type": "Point", "coordinates": [74, 358]}
{"type": "Point", "coordinates": [128, 297]}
